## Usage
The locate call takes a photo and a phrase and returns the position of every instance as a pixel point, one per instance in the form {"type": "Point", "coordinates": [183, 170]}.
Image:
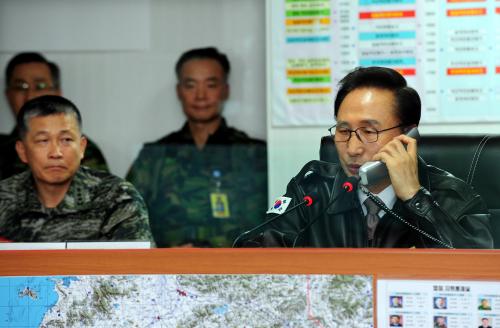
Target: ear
{"type": "Point", "coordinates": [21, 151]}
{"type": "Point", "coordinates": [83, 146]}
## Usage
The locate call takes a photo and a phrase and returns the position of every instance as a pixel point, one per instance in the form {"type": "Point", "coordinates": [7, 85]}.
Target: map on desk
{"type": "Point", "coordinates": [187, 301]}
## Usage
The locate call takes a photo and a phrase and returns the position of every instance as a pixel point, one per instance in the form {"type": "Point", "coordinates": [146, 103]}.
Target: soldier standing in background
{"type": "Point", "coordinates": [29, 75]}
{"type": "Point", "coordinates": [204, 183]}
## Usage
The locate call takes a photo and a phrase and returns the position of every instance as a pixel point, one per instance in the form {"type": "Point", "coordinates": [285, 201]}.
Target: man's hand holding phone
{"type": "Point", "coordinates": [400, 157]}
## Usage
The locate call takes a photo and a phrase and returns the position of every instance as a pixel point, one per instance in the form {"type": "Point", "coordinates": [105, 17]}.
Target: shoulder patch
{"type": "Point", "coordinates": [280, 205]}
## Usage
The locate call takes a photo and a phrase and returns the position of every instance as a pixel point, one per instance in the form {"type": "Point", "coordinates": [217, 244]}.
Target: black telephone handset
{"type": "Point", "coordinates": [374, 172]}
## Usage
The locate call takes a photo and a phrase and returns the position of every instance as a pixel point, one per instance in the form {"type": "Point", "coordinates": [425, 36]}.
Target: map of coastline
{"type": "Point", "coordinates": [187, 301]}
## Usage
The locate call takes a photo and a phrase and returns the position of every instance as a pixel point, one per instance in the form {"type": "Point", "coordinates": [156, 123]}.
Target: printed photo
{"type": "Point", "coordinates": [396, 301]}
{"type": "Point", "coordinates": [485, 323]}
{"type": "Point", "coordinates": [440, 322]}
{"type": "Point", "coordinates": [484, 304]}
{"type": "Point", "coordinates": [396, 320]}
{"type": "Point", "coordinates": [440, 303]}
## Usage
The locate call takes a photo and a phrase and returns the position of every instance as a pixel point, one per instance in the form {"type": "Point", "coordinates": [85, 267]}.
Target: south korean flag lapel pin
{"type": "Point", "coordinates": [280, 205]}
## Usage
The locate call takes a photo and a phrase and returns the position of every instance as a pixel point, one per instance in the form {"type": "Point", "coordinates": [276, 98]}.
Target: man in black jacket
{"type": "Point", "coordinates": [374, 107]}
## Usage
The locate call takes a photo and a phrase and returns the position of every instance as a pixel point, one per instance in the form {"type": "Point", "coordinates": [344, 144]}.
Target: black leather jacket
{"type": "Point", "coordinates": [445, 207]}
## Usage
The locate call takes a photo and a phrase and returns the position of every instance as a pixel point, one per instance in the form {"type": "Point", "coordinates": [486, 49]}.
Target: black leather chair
{"type": "Point", "coordinates": [473, 158]}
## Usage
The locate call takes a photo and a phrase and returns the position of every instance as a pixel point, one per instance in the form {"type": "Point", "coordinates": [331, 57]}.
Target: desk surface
{"type": "Point", "coordinates": [383, 263]}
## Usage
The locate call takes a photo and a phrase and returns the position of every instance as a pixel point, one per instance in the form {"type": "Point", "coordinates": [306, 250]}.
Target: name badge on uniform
{"type": "Point", "coordinates": [220, 205]}
{"type": "Point", "coordinates": [280, 205]}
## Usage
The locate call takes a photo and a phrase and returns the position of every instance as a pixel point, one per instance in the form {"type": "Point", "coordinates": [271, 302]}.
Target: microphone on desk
{"type": "Point", "coordinates": [348, 186]}
{"type": "Point", "coordinates": [307, 201]}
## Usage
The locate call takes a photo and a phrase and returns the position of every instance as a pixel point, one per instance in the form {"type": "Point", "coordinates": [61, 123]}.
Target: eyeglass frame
{"type": "Point", "coordinates": [23, 86]}
{"type": "Point", "coordinates": [357, 135]}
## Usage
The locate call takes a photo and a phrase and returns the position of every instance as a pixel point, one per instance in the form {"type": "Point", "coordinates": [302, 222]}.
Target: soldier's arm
{"type": "Point", "coordinates": [128, 218]}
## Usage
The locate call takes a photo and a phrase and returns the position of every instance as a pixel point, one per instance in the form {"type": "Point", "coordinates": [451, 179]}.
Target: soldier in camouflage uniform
{"type": "Point", "coordinates": [206, 183]}
{"type": "Point", "coordinates": [29, 75]}
{"type": "Point", "coordinates": [57, 199]}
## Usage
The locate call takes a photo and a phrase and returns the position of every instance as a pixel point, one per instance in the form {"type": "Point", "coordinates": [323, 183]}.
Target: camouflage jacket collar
{"type": "Point", "coordinates": [219, 134]}
{"type": "Point", "coordinates": [77, 198]}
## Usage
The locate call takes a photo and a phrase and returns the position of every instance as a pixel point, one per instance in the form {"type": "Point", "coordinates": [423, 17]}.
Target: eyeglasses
{"type": "Point", "coordinates": [23, 86]}
{"type": "Point", "coordinates": [364, 134]}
